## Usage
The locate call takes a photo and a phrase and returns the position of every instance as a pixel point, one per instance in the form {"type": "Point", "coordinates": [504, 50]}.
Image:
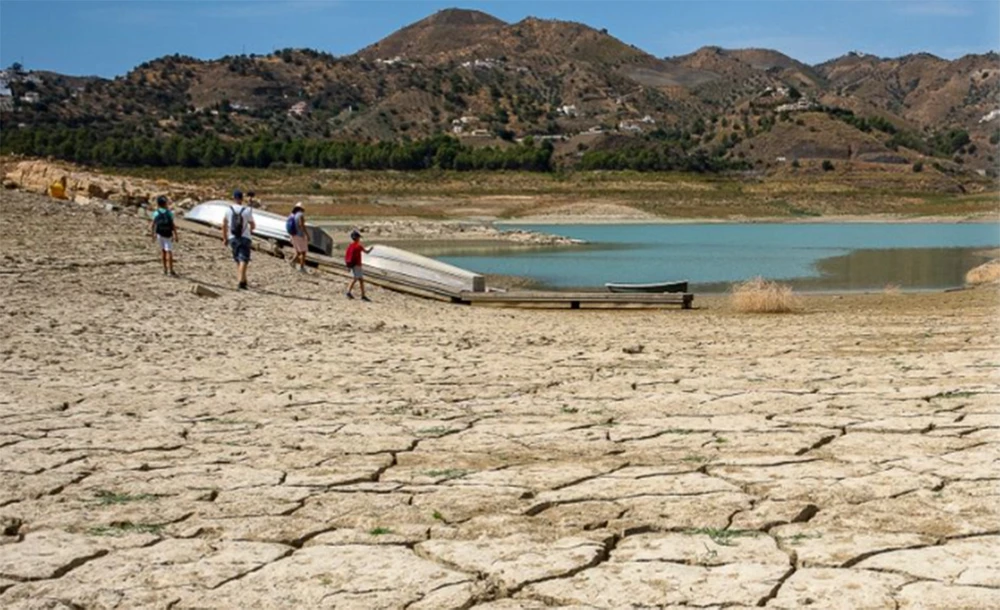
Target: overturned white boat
{"type": "Point", "coordinates": [422, 269]}
{"type": "Point", "coordinates": [271, 226]}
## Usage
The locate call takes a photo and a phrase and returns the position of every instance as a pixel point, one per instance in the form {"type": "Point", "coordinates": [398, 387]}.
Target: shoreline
{"type": "Point", "coordinates": [845, 219]}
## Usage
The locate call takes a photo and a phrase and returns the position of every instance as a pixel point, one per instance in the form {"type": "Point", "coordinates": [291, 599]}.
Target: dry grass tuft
{"type": "Point", "coordinates": [892, 289]}
{"type": "Point", "coordinates": [758, 295]}
{"type": "Point", "coordinates": [987, 273]}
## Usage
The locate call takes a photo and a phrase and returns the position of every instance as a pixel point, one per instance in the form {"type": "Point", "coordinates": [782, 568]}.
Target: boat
{"type": "Point", "coordinates": [678, 286]}
{"type": "Point", "coordinates": [271, 226]}
{"type": "Point", "coordinates": [422, 269]}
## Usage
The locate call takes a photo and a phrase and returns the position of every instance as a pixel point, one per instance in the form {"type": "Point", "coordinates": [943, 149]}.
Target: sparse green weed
{"type": "Point", "coordinates": [723, 537]}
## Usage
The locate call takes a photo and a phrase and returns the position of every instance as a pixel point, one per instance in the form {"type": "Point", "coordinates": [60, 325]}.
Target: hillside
{"type": "Point", "coordinates": [483, 80]}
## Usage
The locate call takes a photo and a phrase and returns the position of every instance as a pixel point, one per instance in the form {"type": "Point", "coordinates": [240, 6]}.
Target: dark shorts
{"type": "Point", "coordinates": [241, 249]}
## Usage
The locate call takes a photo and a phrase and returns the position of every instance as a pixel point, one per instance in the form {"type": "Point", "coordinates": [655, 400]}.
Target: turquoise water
{"type": "Point", "coordinates": [821, 256]}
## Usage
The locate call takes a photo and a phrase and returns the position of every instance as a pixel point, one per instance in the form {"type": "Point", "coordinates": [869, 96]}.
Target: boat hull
{"type": "Point", "coordinates": [423, 269]}
{"type": "Point", "coordinates": [658, 287]}
{"type": "Point", "coordinates": [271, 226]}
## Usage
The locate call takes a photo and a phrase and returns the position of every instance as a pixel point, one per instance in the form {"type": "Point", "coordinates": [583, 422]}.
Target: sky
{"type": "Point", "coordinates": [110, 37]}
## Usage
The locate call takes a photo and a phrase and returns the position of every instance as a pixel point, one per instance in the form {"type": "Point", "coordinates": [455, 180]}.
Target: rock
{"type": "Point", "coordinates": [634, 349]}
{"type": "Point", "coordinates": [204, 291]}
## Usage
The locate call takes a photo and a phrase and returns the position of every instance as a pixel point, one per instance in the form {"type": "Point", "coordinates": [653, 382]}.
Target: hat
{"type": "Point", "coordinates": [237, 194]}
{"type": "Point", "coordinates": [355, 234]}
{"type": "Point", "coordinates": [161, 200]}
{"type": "Point", "coordinates": [298, 206]}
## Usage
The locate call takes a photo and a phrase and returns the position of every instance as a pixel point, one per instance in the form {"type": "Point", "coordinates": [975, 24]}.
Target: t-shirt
{"type": "Point", "coordinates": [353, 254]}
{"type": "Point", "coordinates": [300, 223]}
{"type": "Point", "coordinates": [247, 214]}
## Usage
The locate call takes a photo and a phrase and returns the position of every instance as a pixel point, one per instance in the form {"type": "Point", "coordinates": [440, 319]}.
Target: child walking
{"type": "Point", "coordinates": [352, 258]}
{"type": "Point", "coordinates": [164, 231]}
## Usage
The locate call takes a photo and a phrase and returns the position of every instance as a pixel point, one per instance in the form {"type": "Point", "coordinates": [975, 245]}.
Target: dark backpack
{"type": "Point", "coordinates": [236, 222]}
{"type": "Point", "coordinates": [291, 226]}
{"type": "Point", "coordinates": [163, 221]}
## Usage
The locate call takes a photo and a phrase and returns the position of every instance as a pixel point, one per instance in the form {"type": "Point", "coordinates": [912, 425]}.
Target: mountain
{"type": "Point", "coordinates": [485, 80]}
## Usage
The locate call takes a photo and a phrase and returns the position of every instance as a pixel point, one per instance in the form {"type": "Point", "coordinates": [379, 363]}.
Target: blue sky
{"type": "Point", "coordinates": [108, 38]}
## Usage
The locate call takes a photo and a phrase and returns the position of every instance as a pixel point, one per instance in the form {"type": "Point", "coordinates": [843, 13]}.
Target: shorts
{"type": "Point", "coordinates": [357, 272]}
{"type": "Point", "coordinates": [166, 243]}
{"type": "Point", "coordinates": [241, 249]}
{"type": "Point", "coordinates": [300, 243]}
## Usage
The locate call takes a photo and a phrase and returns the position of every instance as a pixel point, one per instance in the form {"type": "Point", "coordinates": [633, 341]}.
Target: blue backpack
{"type": "Point", "coordinates": [291, 226]}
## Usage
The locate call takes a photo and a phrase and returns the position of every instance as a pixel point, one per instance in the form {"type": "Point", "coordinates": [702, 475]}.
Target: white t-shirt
{"type": "Point", "coordinates": [247, 215]}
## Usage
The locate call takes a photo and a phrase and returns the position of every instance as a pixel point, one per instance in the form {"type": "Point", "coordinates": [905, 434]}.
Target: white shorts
{"type": "Point", "coordinates": [166, 243]}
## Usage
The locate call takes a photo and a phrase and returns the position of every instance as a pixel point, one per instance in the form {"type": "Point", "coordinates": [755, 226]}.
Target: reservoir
{"type": "Point", "coordinates": [814, 257]}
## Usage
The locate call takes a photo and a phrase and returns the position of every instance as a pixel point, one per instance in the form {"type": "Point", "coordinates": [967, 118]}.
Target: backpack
{"type": "Point", "coordinates": [163, 221]}
{"type": "Point", "coordinates": [291, 227]}
{"type": "Point", "coordinates": [235, 222]}
{"type": "Point", "coordinates": [348, 256]}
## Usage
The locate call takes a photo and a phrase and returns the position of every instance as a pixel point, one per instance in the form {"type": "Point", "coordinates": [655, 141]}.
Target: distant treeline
{"type": "Point", "coordinates": [91, 147]}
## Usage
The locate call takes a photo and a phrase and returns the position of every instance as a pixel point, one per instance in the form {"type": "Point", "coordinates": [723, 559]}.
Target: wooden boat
{"type": "Point", "coordinates": [271, 226]}
{"type": "Point", "coordinates": [422, 269]}
{"type": "Point", "coordinates": [679, 286]}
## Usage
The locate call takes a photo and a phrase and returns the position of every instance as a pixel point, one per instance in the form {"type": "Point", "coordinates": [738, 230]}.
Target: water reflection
{"type": "Point", "coordinates": [873, 270]}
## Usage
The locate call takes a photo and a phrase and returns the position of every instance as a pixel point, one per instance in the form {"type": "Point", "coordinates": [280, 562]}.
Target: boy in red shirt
{"type": "Point", "coordinates": [352, 258]}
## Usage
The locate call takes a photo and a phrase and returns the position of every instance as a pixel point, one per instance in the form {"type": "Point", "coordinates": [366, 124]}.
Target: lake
{"type": "Point", "coordinates": [809, 256]}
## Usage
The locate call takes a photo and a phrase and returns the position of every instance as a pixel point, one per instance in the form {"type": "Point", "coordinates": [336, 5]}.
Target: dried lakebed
{"type": "Point", "coordinates": [287, 448]}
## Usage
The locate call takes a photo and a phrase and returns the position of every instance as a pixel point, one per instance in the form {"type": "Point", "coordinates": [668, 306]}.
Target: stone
{"type": "Point", "coordinates": [204, 291]}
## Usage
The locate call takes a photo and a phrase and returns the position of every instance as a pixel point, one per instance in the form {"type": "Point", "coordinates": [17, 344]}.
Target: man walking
{"type": "Point", "coordinates": [296, 226]}
{"type": "Point", "coordinates": [236, 230]}
{"type": "Point", "coordinates": [163, 230]}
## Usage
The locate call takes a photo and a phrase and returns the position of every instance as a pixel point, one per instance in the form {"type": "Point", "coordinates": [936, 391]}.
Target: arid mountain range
{"type": "Point", "coordinates": [484, 80]}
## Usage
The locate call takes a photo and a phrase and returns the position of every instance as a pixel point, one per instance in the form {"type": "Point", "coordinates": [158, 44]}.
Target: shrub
{"type": "Point", "coordinates": [827, 165]}
{"type": "Point", "coordinates": [918, 167]}
{"type": "Point", "coordinates": [758, 295]}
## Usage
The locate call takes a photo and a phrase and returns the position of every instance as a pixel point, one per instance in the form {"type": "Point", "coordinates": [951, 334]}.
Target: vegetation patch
{"type": "Point", "coordinates": [447, 474]}
{"type": "Point", "coordinates": [723, 537]}
{"type": "Point", "coordinates": [107, 498]}
{"type": "Point", "coordinates": [758, 295]}
{"type": "Point", "coordinates": [123, 528]}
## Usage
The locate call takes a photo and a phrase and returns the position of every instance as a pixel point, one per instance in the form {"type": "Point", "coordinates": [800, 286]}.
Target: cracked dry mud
{"type": "Point", "coordinates": [286, 448]}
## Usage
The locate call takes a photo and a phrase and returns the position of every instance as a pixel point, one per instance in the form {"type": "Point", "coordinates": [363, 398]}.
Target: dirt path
{"type": "Point", "coordinates": [287, 448]}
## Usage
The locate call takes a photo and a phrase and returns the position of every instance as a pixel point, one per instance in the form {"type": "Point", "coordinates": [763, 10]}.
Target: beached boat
{"type": "Point", "coordinates": [422, 269]}
{"type": "Point", "coordinates": [679, 286]}
{"type": "Point", "coordinates": [269, 225]}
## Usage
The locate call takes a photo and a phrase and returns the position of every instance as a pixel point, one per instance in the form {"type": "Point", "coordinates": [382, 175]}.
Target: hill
{"type": "Point", "coordinates": [486, 81]}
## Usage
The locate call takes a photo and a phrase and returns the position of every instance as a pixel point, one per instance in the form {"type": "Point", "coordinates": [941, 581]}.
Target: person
{"type": "Point", "coordinates": [252, 200]}
{"type": "Point", "coordinates": [163, 230]}
{"type": "Point", "coordinates": [300, 238]}
{"type": "Point", "coordinates": [352, 257]}
{"type": "Point", "coordinates": [237, 226]}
